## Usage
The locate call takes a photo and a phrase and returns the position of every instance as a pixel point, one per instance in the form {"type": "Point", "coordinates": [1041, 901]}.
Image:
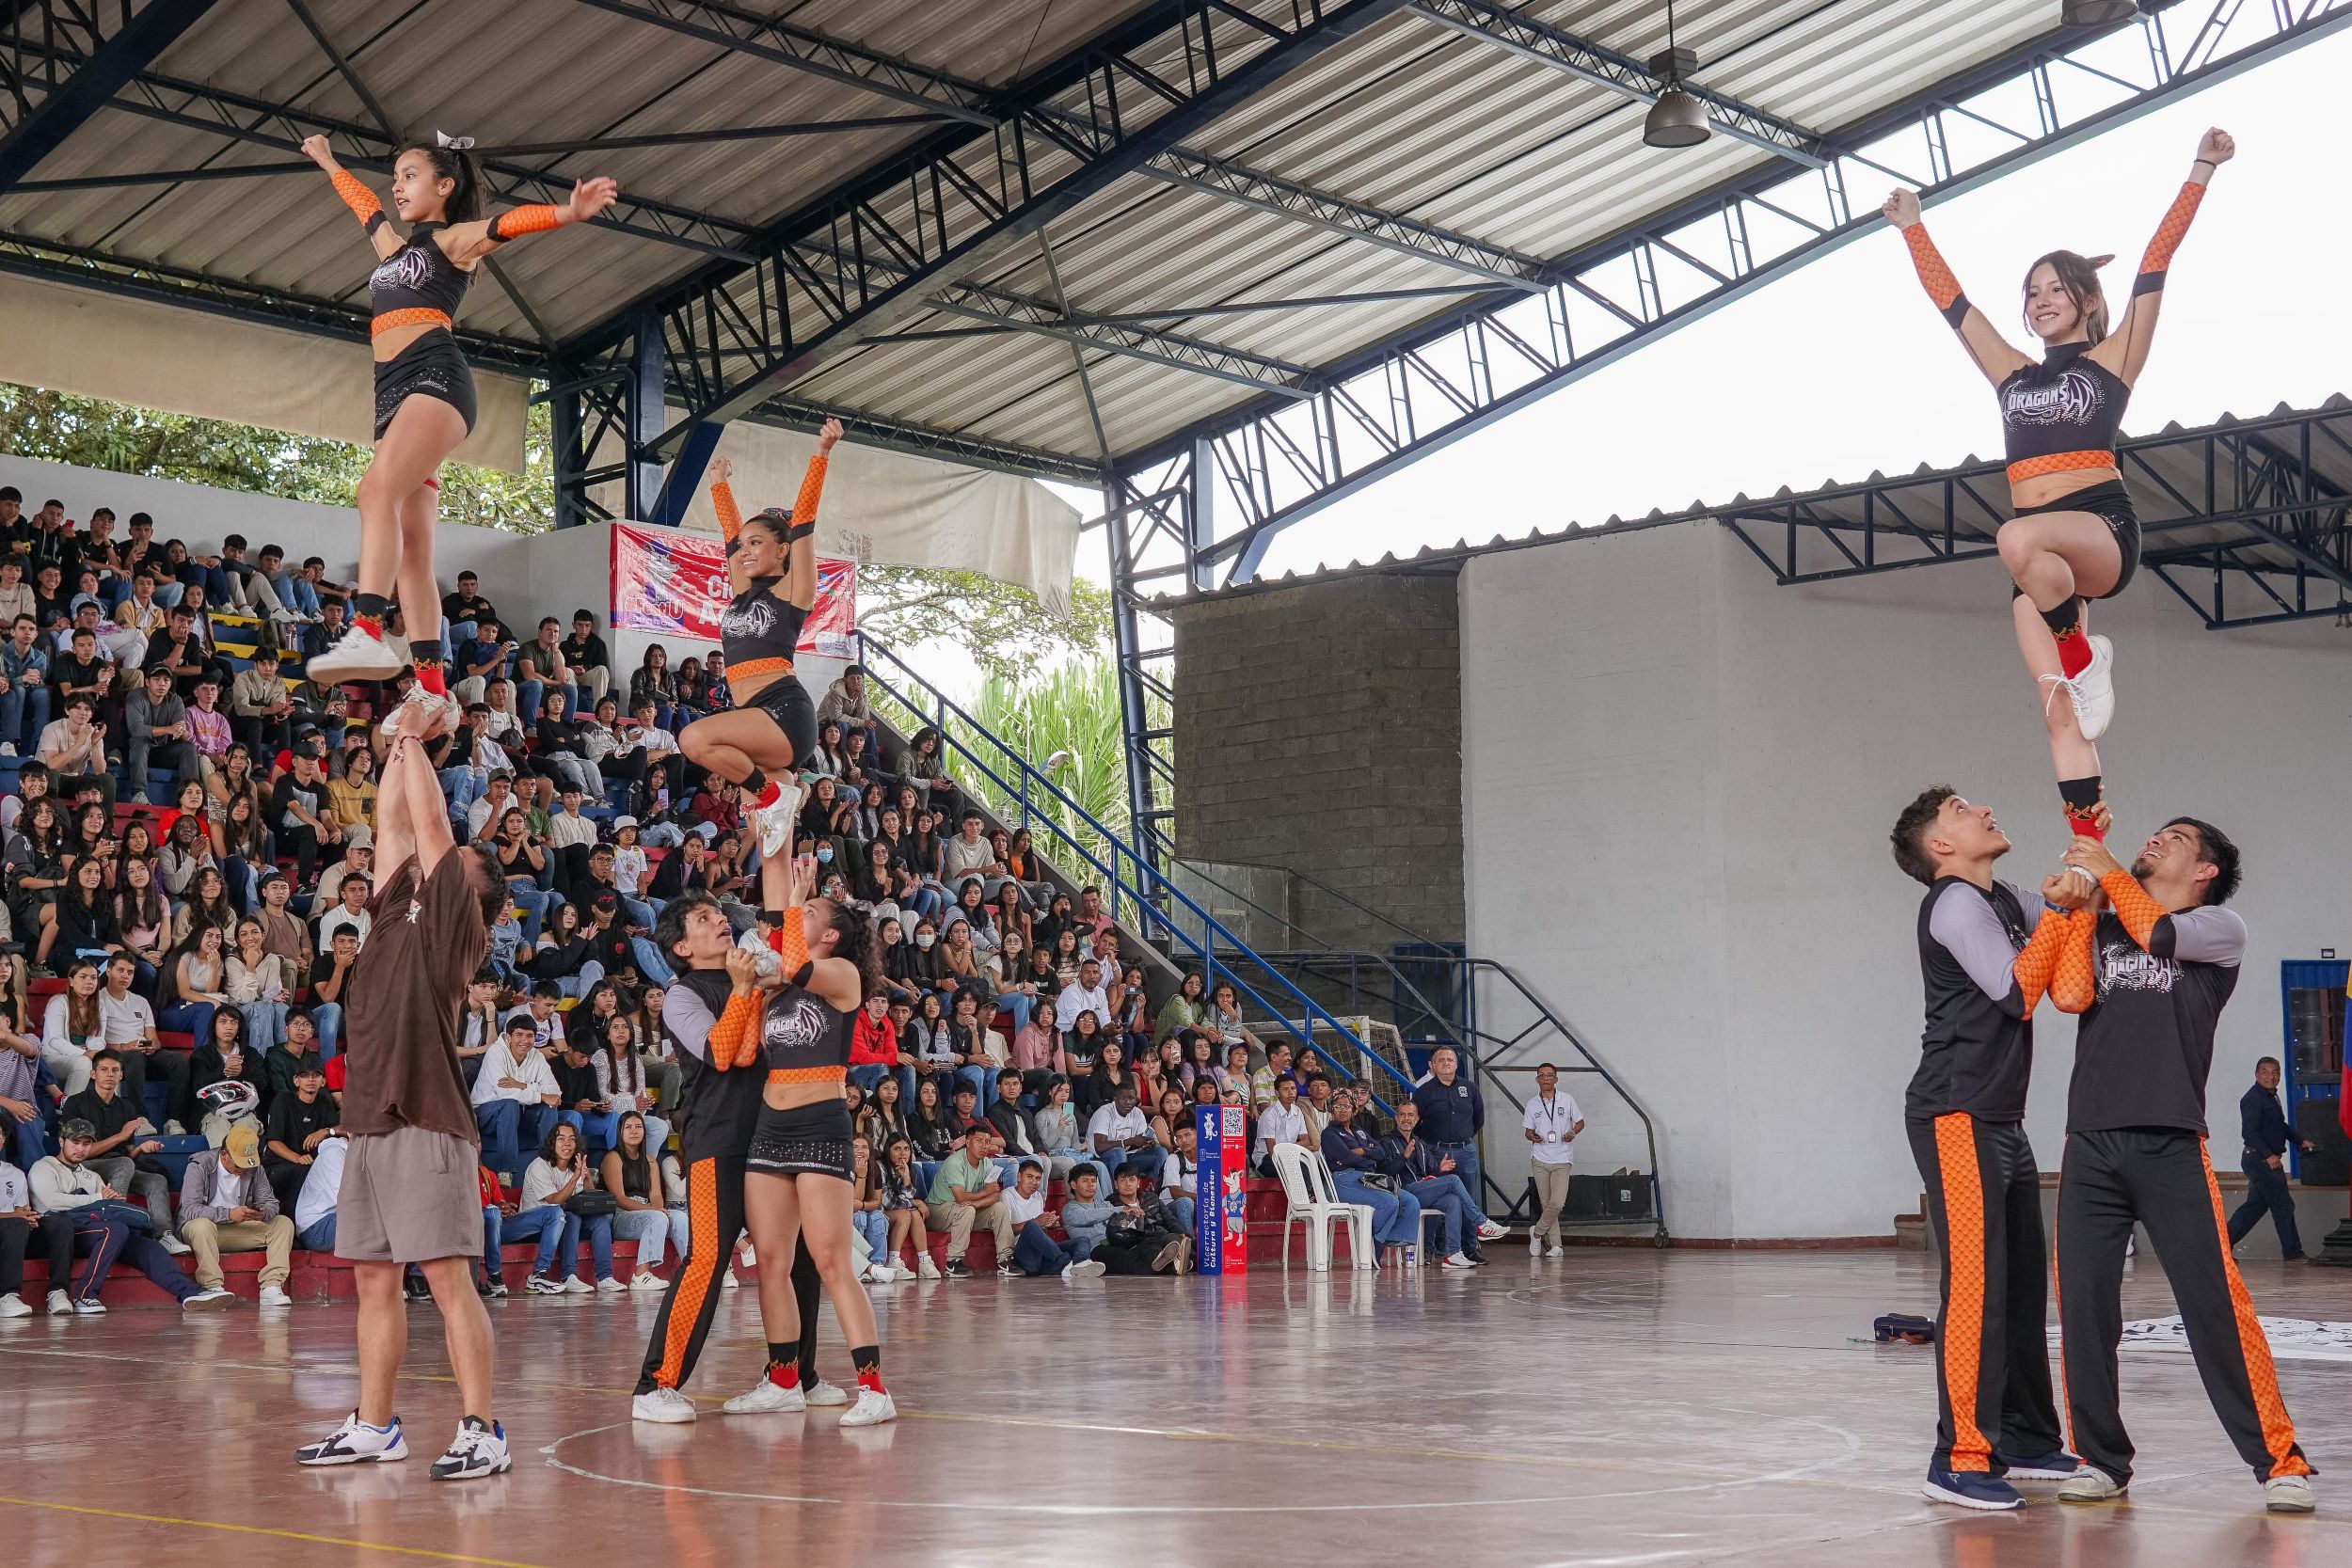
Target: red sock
{"type": "Point", "coordinates": [871, 1381]}
{"type": "Point", "coordinates": [434, 679]}
{"type": "Point", "coordinates": [2073, 650]}
{"type": "Point", "coordinates": [371, 625]}
{"type": "Point", "coordinates": [767, 797]}
{"type": "Point", "coordinates": [785, 1374]}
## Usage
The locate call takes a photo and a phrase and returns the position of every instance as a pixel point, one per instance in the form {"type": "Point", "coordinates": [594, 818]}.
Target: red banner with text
{"type": "Point", "coordinates": [675, 581]}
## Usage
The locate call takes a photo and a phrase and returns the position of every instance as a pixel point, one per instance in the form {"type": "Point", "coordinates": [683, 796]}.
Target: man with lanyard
{"type": "Point", "coordinates": [717, 988]}
{"type": "Point", "coordinates": [2263, 1125]}
{"type": "Point", "coordinates": [1549, 1125]}
{"type": "Point", "coordinates": [2163, 957]}
{"type": "Point", "coordinates": [409, 1193]}
{"type": "Point", "coordinates": [1986, 955]}
{"type": "Point", "coordinates": [1451, 1113]}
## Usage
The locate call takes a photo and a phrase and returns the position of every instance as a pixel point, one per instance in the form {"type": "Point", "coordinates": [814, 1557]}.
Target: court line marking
{"type": "Point", "coordinates": [258, 1529]}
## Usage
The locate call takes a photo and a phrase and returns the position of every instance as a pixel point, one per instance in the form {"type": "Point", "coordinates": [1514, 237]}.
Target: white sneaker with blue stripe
{"type": "Point", "coordinates": [356, 1443]}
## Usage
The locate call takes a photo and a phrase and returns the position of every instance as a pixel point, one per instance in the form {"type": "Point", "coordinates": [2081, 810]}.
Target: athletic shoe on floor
{"type": "Point", "coordinates": [575, 1286]}
{"type": "Point", "coordinates": [646, 1279]}
{"type": "Point", "coordinates": [1489, 1230]}
{"type": "Point", "coordinates": [1170, 1258]}
{"type": "Point", "coordinates": [214, 1300]}
{"type": "Point", "coordinates": [955, 1269]}
{"type": "Point", "coordinates": [540, 1285]}
{"type": "Point", "coordinates": [608, 1286]}
{"type": "Point", "coordinates": [2058, 1465]}
{"type": "Point", "coordinates": [925, 1267]}
{"type": "Point", "coordinates": [173, 1245]}
{"type": "Point", "coordinates": [727, 1279]}
{"type": "Point", "coordinates": [1009, 1270]}
{"type": "Point", "coordinates": [1456, 1260]}
{"type": "Point", "coordinates": [2289, 1494]}
{"type": "Point", "coordinates": [822, 1393]}
{"type": "Point", "coordinates": [275, 1295]}
{"type": "Point", "coordinates": [93, 1308]}
{"type": "Point", "coordinates": [60, 1305]}
{"type": "Point", "coordinates": [874, 1408]}
{"type": "Point", "coordinates": [764, 1398]}
{"type": "Point", "coordinates": [662, 1405]}
{"type": "Point", "coordinates": [476, 1451]}
{"type": "Point", "coordinates": [2089, 1484]}
{"type": "Point", "coordinates": [359, 655]}
{"type": "Point", "coordinates": [1085, 1268]}
{"type": "Point", "coordinates": [356, 1443]}
{"type": "Point", "coordinates": [1970, 1489]}
{"type": "Point", "coordinates": [494, 1288]}
{"type": "Point", "coordinates": [880, 1274]}
{"type": "Point", "coordinates": [2094, 705]}
{"type": "Point", "coordinates": [12, 1306]}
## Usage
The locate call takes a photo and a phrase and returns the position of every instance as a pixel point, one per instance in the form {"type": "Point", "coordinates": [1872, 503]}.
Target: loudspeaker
{"type": "Point", "coordinates": [2331, 1165]}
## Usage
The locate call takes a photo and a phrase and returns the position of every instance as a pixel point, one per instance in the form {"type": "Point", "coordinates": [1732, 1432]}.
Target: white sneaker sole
{"type": "Point", "coordinates": [366, 661]}
{"type": "Point", "coordinates": [664, 1413]}
{"type": "Point", "coordinates": [873, 1416]}
{"type": "Point", "coordinates": [2098, 684]}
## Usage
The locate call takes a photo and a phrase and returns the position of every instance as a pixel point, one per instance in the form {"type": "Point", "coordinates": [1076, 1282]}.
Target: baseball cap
{"type": "Point", "coordinates": [309, 1065]}
{"type": "Point", "coordinates": [357, 837]}
{"type": "Point", "coordinates": [244, 1144]}
{"type": "Point", "coordinates": [605, 900]}
{"type": "Point", "coordinates": [81, 599]}
{"type": "Point", "coordinates": [77, 1128]}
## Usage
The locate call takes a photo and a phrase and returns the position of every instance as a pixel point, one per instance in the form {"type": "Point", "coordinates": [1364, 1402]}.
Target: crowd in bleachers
{"type": "Point", "coordinates": [188, 863]}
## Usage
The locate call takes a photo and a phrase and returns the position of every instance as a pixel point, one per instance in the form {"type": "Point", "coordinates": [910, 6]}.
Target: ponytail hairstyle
{"type": "Point", "coordinates": [452, 159]}
{"type": "Point", "coordinates": [853, 940]}
{"type": "Point", "coordinates": [2078, 275]}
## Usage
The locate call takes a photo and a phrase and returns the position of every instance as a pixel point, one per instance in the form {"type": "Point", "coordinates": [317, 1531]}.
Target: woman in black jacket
{"type": "Point", "coordinates": [83, 918]}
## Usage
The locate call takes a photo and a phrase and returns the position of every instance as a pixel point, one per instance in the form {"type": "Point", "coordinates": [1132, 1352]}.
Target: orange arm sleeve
{"type": "Point", "coordinates": [790, 943]}
{"type": "Point", "coordinates": [734, 1038]}
{"type": "Point", "coordinates": [812, 487]}
{"type": "Point", "coordinates": [2170, 233]}
{"type": "Point", "coordinates": [535, 219]}
{"type": "Point", "coordinates": [722, 502]}
{"type": "Point", "coordinates": [1935, 275]}
{"type": "Point", "coordinates": [2038, 959]}
{"type": "Point", "coordinates": [2075, 985]}
{"type": "Point", "coordinates": [361, 200]}
{"type": "Point", "coordinates": [2133, 907]}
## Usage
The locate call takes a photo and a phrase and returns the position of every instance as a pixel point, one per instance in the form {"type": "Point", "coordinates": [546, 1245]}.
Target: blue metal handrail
{"type": "Point", "coordinates": [1204, 948]}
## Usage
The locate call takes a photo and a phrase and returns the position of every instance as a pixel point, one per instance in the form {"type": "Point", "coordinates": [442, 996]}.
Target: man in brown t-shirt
{"type": "Point", "coordinates": [410, 1193]}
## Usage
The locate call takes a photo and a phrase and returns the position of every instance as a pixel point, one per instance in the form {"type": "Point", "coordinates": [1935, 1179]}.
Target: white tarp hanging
{"type": "Point", "coordinates": [895, 510]}
{"type": "Point", "coordinates": [157, 356]}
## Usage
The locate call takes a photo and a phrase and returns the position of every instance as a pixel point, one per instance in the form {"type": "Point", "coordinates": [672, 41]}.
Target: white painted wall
{"type": "Point", "coordinates": [1679, 780]}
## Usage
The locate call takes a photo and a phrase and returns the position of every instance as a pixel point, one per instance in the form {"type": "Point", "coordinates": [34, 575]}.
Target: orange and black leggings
{"type": "Point", "coordinates": [714, 1213]}
{"type": "Point", "coordinates": [1992, 1353]}
{"type": "Point", "coordinates": [2161, 1177]}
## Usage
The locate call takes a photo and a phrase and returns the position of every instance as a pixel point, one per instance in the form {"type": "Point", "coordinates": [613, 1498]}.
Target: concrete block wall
{"type": "Point", "coordinates": [1319, 729]}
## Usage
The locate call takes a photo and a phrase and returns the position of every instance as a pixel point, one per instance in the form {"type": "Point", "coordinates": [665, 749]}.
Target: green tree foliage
{"type": "Point", "coordinates": [1001, 625]}
{"type": "Point", "coordinates": [89, 432]}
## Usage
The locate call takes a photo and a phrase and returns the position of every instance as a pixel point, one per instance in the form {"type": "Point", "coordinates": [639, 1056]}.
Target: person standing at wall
{"type": "Point", "coordinates": [2262, 1124]}
{"type": "Point", "coordinates": [1551, 1125]}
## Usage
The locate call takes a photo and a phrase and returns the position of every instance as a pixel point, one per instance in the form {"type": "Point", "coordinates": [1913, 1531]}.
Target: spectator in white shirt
{"type": "Point", "coordinates": [1282, 1121]}
{"type": "Point", "coordinates": [314, 1206]}
{"type": "Point", "coordinates": [1121, 1134]}
{"type": "Point", "coordinates": [1086, 994]}
{"type": "Point", "coordinates": [515, 1098]}
{"type": "Point", "coordinates": [1550, 1126]}
{"type": "Point", "coordinates": [351, 914]}
{"type": "Point", "coordinates": [497, 798]}
{"type": "Point", "coordinates": [970, 854]}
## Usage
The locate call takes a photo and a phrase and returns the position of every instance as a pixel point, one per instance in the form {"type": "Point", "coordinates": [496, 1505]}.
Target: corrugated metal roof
{"type": "Point", "coordinates": [1409, 116]}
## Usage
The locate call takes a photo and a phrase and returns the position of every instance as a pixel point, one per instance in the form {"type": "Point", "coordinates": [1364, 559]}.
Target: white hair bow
{"type": "Point", "coordinates": [455, 144]}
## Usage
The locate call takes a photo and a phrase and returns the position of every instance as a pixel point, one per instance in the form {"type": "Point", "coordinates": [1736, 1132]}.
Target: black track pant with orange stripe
{"type": "Point", "coordinates": [714, 1216]}
{"type": "Point", "coordinates": [2161, 1177]}
{"type": "Point", "coordinates": [1993, 1352]}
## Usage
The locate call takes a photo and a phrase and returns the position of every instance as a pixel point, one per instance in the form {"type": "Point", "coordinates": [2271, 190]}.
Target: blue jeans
{"type": "Point", "coordinates": [1186, 1210]}
{"type": "Point", "coordinates": [196, 1018]}
{"type": "Point", "coordinates": [1395, 1216]}
{"type": "Point", "coordinates": [1020, 1006]}
{"type": "Point", "coordinates": [531, 694]}
{"type": "Point", "coordinates": [648, 1228]}
{"type": "Point", "coordinates": [1465, 1157]}
{"type": "Point", "coordinates": [319, 1237]}
{"type": "Point", "coordinates": [1446, 1195]}
{"type": "Point", "coordinates": [597, 1129]}
{"type": "Point", "coordinates": [977, 1077]}
{"type": "Point", "coordinates": [534, 901]}
{"type": "Point", "coordinates": [557, 1233]}
{"type": "Point", "coordinates": [264, 1025]}
{"type": "Point", "coordinates": [1039, 1253]}
{"type": "Point", "coordinates": [867, 1074]}
{"type": "Point", "coordinates": [295, 593]}
{"type": "Point", "coordinates": [23, 709]}
{"type": "Point", "coordinates": [874, 1224]}
{"type": "Point", "coordinates": [576, 986]}
{"type": "Point", "coordinates": [464, 785]}
{"type": "Point", "coordinates": [508, 1126]}
{"type": "Point", "coordinates": [25, 1145]}
{"type": "Point", "coordinates": [649, 961]}
{"type": "Point", "coordinates": [328, 1018]}
{"type": "Point", "coordinates": [1147, 1161]}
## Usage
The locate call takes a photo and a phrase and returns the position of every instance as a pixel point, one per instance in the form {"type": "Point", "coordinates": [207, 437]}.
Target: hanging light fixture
{"type": "Point", "coordinates": [2096, 13]}
{"type": "Point", "coordinates": [1676, 119]}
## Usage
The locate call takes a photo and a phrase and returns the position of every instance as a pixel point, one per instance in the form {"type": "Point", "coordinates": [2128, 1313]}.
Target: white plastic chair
{"type": "Point", "coordinates": [1314, 1202]}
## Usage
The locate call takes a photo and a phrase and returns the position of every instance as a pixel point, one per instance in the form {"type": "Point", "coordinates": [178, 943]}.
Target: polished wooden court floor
{"type": "Point", "coordinates": [1616, 1407]}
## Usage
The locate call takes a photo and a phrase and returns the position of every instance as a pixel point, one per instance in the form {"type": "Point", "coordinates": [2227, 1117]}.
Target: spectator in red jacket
{"type": "Point", "coordinates": [874, 1048]}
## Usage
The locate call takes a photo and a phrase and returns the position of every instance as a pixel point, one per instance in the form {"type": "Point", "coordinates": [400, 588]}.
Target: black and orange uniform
{"type": "Point", "coordinates": [1986, 962]}
{"type": "Point", "coordinates": [803, 1038]}
{"type": "Point", "coordinates": [760, 632]}
{"type": "Point", "coordinates": [719, 1106]}
{"type": "Point", "coordinates": [2136, 1153]}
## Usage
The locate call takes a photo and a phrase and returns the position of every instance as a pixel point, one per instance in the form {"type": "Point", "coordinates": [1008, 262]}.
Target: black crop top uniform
{"type": "Point", "coordinates": [417, 285]}
{"type": "Point", "coordinates": [2063, 416]}
{"type": "Point", "coordinates": [760, 632]}
{"type": "Point", "coordinates": [805, 1038]}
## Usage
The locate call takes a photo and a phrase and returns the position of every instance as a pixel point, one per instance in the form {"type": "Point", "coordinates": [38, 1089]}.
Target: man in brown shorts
{"type": "Point", "coordinates": [409, 1190]}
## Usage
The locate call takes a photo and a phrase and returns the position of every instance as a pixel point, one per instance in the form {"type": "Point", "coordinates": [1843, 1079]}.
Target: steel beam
{"type": "Point", "coordinates": [1533, 38]}
{"type": "Point", "coordinates": [861, 260]}
{"type": "Point", "coordinates": [1028, 313]}
{"type": "Point", "coordinates": [47, 94]}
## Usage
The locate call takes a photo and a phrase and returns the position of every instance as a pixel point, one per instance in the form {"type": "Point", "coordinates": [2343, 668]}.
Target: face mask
{"type": "Point", "coordinates": [924, 941]}
{"type": "Point", "coordinates": [824, 854]}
